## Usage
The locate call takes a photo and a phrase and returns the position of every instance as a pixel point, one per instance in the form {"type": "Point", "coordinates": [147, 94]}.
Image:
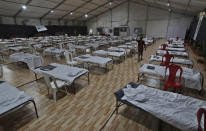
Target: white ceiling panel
{"type": "Point", "coordinates": [57, 12]}
{"type": "Point", "coordinates": [192, 9]}
{"type": "Point", "coordinates": [66, 7]}
{"type": "Point", "coordinates": [198, 3]}
{"type": "Point", "coordinates": [90, 6]}
{"type": "Point", "coordinates": [94, 12]}
{"type": "Point", "coordinates": [43, 3]}
{"type": "Point", "coordinates": [111, 6]}
{"type": "Point", "coordinates": [180, 1]}
{"type": "Point", "coordinates": [28, 14]}
{"type": "Point", "coordinates": [8, 5]}
{"type": "Point", "coordinates": [52, 17]}
{"type": "Point", "coordinates": [177, 6]}
{"type": "Point", "coordinates": [99, 2]}
{"type": "Point", "coordinates": [73, 16]}
{"type": "Point", "coordinates": [19, 1]}
{"type": "Point", "coordinates": [7, 12]}
{"type": "Point", "coordinates": [74, 2]}
{"type": "Point", "coordinates": [82, 10]}
{"type": "Point", "coordinates": [35, 9]}
{"type": "Point", "coordinates": [101, 9]}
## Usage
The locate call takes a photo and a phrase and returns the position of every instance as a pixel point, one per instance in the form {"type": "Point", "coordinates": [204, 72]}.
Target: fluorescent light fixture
{"type": "Point", "coordinates": [71, 13]}
{"type": "Point", "coordinates": [52, 11]}
{"type": "Point", "coordinates": [86, 15]}
{"type": "Point", "coordinates": [24, 7]}
{"type": "Point", "coordinates": [110, 3]}
{"type": "Point", "coordinates": [168, 4]}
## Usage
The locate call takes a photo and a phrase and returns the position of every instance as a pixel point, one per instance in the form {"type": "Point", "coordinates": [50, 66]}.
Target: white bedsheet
{"type": "Point", "coordinates": [31, 60]}
{"type": "Point", "coordinates": [108, 53]}
{"type": "Point", "coordinates": [11, 97]}
{"type": "Point", "coordinates": [175, 60]}
{"type": "Point", "coordinates": [175, 109]}
{"type": "Point", "coordinates": [94, 59]}
{"type": "Point", "coordinates": [173, 49]}
{"type": "Point", "coordinates": [190, 78]}
{"type": "Point", "coordinates": [175, 53]}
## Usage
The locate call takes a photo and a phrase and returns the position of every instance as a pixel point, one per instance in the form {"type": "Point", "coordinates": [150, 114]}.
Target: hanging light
{"type": "Point", "coordinates": [110, 3]}
{"type": "Point", "coordinates": [168, 4]}
{"type": "Point", "coordinates": [52, 11]}
{"type": "Point", "coordinates": [24, 7]}
{"type": "Point", "coordinates": [71, 13]}
{"type": "Point", "coordinates": [86, 15]}
{"type": "Point", "coordinates": [170, 9]}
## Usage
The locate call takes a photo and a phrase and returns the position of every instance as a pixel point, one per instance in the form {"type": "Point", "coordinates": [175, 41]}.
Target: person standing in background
{"type": "Point", "coordinates": [141, 45]}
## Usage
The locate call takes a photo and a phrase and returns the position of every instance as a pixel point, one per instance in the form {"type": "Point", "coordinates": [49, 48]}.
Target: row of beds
{"type": "Point", "coordinates": [182, 112]}
{"type": "Point", "coordinates": [12, 98]}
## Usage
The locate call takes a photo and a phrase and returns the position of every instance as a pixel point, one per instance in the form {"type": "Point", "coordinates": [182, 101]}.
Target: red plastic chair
{"type": "Point", "coordinates": [171, 82]}
{"type": "Point", "coordinates": [168, 58]}
{"type": "Point", "coordinates": [163, 46]}
{"type": "Point", "coordinates": [200, 112]}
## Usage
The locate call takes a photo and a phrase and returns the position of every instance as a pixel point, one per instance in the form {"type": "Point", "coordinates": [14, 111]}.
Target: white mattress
{"type": "Point", "coordinates": [119, 49]}
{"type": "Point", "coordinates": [31, 60]}
{"type": "Point", "coordinates": [108, 53]}
{"type": "Point", "coordinates": [94, 45]}
{"type": "Point", "coordinates": [190, 78]}
{"type": "Point", "coordinates": [126, 46]}
{"type": "Point", "coordinates": [175, 46]}
{"type": "Point", "coordinates": [175, 53]}
{"type": "Point", "coordinates": [81, 47]}
{"type": "Point", "coordinates": [173, 49]}
{"type": "Point", "coordinates": [94, 59]}
{"type": "Point", "coordinates": [54, 50]}
{"type": "Point", "coordinates": [175, 60]}
{"type": "Point", "coordinates": [18, 48]}
{"type": "Point", "coordinates": [175, 109]}
{"type": "Point", "coordinates": [11, 97]}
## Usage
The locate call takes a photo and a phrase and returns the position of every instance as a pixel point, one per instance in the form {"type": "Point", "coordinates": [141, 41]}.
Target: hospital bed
{"type": "Point", "coordinates": [30, 59]}
{"type": "Point", "coordinates": [11, 99]}
{"type": "Point", "coordinates": [175, 53]}
{"type": "Point", "coordinates": [128, 51]}
{"type": "Point", "coordinates": [173, 49]}
{"type": "Point", "coordinates": [175, 109]}
{"type": "Point", "coordinates": [100, 61]}
{"type": "Point", "coordinates": [175, 45]}
{"type": "Point", "coordinates": [110, 53]}
{"type": "Point", "coordinates": [154, 58]}
{"type": "Point", "coordinates": [65, 73]}
{"type": "Point", "coordinates": [190, 78]}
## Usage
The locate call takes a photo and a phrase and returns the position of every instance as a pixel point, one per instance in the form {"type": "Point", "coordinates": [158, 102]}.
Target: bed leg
{"type": "Point", "coordinates": [138, 78]}
{"type": "Point", "coordinates": [117, 106]}
{"type": "Point", "coordinates": [159, 125]}
{"type": "Point", "coordinates": [35, 108]}
{"type": "Point", "coordinates": [74, 88]}
{"type": "Point", "coordinates": [35, 76]}
{"type": "Point", "coordinates": [88, 78]}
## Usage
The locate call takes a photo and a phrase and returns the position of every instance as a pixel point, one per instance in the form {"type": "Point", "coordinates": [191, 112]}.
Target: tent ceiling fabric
{"type": "Point", "coordinates": [61, 8]}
